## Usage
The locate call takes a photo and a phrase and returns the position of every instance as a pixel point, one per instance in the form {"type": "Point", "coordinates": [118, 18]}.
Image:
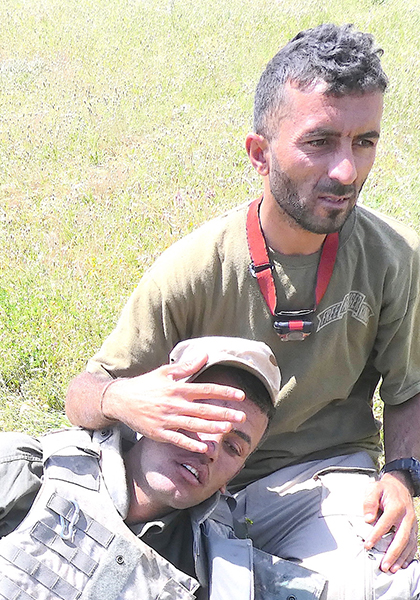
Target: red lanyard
{"type": "Point", "coordinates": [292, 325]}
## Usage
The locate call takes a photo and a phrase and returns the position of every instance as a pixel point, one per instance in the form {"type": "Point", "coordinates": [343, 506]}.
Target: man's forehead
{"type": "Point", "coordinates": [313, 108]}
{"type": "Point", "coordinates": [318, 86]}
{"type": "Point", "coordinates": [255, 417]}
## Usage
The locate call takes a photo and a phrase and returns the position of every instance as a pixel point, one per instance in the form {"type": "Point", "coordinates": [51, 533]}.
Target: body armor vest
{"type": "Point", "coordinates": [74, 544]}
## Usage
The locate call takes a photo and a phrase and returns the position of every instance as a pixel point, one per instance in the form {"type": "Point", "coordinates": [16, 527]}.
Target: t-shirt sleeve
{"type": "Point", "coordinates": [397, 347]}
{"type": "Point", "coordinates": [158, 314]}
{"type": "Point", "coordinates": [184, 294]}
{"type": "Point", "coordinates": [144, 335]}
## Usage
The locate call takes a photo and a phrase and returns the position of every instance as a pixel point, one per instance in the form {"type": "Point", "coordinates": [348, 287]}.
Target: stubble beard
{"type": "Point", "coordinates": [296, 210]}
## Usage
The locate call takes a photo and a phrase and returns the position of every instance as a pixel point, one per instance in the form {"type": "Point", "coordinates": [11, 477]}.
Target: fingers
{"type": "Point", "coordinates": [381, 528]}
{"type": "Point", "coordinates": [186, 369]}
{"type": "Point", "coordinates": [400, 552]}
{"type": "Point", "coordinates": [209, 391]}
{"type": "Point", "coordinates": [390, 499]}
{"type": "Point", "coordinates": [197, 414]}
{"type": "Point", "coordinates": [198, 391]}
{"type": "Point", "coordinates": [174, 409]}
{"type": "Point", "coordinates": [183, 441]}
{"type": "Point", "coordinates": [190, 400]}
{"type": "Point", "coordinates": [197, 418]}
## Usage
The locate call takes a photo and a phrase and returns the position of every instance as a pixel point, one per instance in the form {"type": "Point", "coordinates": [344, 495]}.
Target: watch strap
{"type": "Point", "coordinates": [411, 466]}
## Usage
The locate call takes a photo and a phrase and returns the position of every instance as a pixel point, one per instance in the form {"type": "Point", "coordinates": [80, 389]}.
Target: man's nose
{"type": "Point", "coordinates": [343, 167]}
{"type": "Point", "coordinates": [213, 445]}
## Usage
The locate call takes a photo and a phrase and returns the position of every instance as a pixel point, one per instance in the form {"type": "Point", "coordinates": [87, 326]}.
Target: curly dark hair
{"type": "Point", "coordinates": [342, 57]}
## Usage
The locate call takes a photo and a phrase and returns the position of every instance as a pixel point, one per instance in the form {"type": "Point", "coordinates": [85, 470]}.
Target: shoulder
{"type": "Point", "coordinates": [222, 230]}
{"type": "Point", "coordinates": [383, 250]}
{"type": "Point", "coordinates": [215, 244]}
{"type": "Point", "coordinates": [382, 230]}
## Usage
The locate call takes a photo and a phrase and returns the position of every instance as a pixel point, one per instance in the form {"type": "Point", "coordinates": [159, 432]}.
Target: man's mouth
{"type": "Point", "coordinates": [192, 470]}
{"type": "Point", "coordinates": [335, 199]}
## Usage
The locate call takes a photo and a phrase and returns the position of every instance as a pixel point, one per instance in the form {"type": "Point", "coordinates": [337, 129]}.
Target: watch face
{"type": "Point", "coordinates": [415, 476]}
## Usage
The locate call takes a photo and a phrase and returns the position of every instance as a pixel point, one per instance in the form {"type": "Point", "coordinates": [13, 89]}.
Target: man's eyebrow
{"type": "Point", "coordinates": [326, 132]}
{"type": "Point", "coordinates": [369, 134]}
{"type": "Point", "coordinates": [321, 132]}
{"type": "Point", "coordinates": [242, 435]}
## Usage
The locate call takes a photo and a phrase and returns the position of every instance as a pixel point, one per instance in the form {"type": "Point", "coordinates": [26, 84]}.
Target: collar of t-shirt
{"type": "Point", "coordinates": [158, 525]}
{"type": "Point", "coordinates": [172, 538]}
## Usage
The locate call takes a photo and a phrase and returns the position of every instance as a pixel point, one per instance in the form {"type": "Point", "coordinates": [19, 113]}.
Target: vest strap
{"type": "Point", "coordinates": [65, 509]}
{"type": "Point", "coordinates": [9, 590]}
{"type": "Point", "coordinates": [47, 536]}
{"type": "Point", "coordinates": [40, 572]}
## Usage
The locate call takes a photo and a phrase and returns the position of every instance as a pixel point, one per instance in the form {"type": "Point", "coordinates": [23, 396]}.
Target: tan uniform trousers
{"type": "Point", "coordinates": [313, 513]}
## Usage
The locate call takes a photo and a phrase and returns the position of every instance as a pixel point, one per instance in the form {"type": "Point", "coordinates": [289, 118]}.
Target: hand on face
{"type": "Point", "coordinates": [161, 406]}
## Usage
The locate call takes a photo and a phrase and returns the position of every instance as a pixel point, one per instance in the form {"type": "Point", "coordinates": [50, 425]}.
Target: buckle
{"type": "Point", "coordinates": [67, 529]}
{"type": "Point", "coordinates": [292, 326]}
{"type": "Point", "coordinates": [254, 269]}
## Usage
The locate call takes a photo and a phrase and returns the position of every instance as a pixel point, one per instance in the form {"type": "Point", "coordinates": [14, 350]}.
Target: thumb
{"type": "Point", "coordinates": [186, 369]}
{"type": "Point", "coordinates": [371, 504]}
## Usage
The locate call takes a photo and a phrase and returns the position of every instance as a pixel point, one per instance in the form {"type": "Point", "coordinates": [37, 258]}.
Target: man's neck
{"type": "Point", "coordinates": [142, 511]}
{"type": "Point", "coordinates": [285, 236]}
{"type": "Point", "coordinates": [142, 508]}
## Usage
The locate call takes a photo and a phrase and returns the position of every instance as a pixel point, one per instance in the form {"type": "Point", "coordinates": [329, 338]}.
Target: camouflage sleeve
{"type": "Point", "coordinates": [21, 471]}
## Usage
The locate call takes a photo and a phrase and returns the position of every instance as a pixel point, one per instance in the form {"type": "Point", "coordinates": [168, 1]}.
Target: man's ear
{"type": "Point", "coordinates": [257, 148]}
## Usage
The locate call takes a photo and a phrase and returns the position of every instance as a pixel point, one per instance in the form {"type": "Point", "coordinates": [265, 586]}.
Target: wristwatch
{"type": "Point", "coordinates": [411, 466]}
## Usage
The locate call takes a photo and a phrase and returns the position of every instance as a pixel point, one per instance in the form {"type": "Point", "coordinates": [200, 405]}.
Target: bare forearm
{"type": "Point", "coordinates": [401, 429]}
{"type": "Point", "coordinates": [83, 401]}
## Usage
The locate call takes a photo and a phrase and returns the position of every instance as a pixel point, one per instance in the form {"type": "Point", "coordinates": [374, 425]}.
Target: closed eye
{"type": "Point", "coordinates": [232, 448]}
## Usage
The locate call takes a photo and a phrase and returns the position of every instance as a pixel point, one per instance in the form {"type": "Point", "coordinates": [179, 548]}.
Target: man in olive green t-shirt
{"type": "Point", "coordinates": [333, 288]}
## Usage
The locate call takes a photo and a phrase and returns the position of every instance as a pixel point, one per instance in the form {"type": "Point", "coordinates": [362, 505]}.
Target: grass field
{"type": "Point", "coordinates": [121, 128]}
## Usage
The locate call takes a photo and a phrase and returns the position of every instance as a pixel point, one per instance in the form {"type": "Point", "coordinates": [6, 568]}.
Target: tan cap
{"type": "Point", "coordinates": [250, 355]}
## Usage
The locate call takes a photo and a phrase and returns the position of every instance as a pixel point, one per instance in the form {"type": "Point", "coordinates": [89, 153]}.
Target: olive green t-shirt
{"type": "Point", "coordinates": [366, 328]}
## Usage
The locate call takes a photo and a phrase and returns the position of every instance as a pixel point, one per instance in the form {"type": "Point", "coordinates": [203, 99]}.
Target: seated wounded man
{"type": "Point", "coordinates": [106, 515]}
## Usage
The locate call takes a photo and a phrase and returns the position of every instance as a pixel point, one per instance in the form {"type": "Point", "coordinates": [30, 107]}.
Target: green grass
{"type": "Point", "coordinates": [121, 128]}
